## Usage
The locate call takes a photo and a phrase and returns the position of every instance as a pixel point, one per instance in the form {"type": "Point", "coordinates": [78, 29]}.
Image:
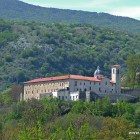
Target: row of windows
{"type": "Point", "coordinates": [44, 91]}
{"type": "Point", "coordinates": [65, 97]}
{"type": "Point", "coordinates": [54, 90]}
{"type": "Point", "coordinates": [60, 84]}
{"type": "Point", "coordinates": [86, 89]}
{"type": "Point", "coordinates": [76, 83]}
{"type": "Point", "coordinates": [99, 89]}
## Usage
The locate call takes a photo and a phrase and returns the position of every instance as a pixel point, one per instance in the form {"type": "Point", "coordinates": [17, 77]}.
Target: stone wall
{"type": "Point", "coordinates": [133, 92]}
{"type": "Point", "coordinates": [34, 90]}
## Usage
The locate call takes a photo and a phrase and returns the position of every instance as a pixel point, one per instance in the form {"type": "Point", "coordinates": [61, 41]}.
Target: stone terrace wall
{"type": "Point", "coordinates": [133, 92]}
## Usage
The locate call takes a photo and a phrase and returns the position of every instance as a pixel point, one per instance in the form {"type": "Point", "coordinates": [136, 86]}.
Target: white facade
{"type": "Point", "coordinates": [104, 86]}
{"type": "Point", "coordinates": [66, 95]}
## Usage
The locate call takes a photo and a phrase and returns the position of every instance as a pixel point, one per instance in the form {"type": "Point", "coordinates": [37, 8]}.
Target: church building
{"type": "Point", "coordinates": [68, 87]}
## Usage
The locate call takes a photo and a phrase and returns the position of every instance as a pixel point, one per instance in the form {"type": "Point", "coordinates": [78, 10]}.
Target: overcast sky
{"type": "Point", "coordinates": [129, 8]}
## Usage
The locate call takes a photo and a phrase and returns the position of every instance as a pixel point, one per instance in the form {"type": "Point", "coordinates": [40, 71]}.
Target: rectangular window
{"type": "Point", "coordinates": [75, 83]}
{"type": "Point", "coordinates": [90, 88]}
{"type": "Point", "coordinates": [62, 97]}
{"type": "Point", "coordinates": [113, 71]}
{"type": "Point", "coordinates": [68, 88]}
{"type": "Point", "coordinates": [118, 71]}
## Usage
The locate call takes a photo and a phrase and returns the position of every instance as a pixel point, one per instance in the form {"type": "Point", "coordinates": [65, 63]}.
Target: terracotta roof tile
{"type": "Point", "coordinates": [116, 66]}
{"type": "Point", "coordinates": [65, 77]}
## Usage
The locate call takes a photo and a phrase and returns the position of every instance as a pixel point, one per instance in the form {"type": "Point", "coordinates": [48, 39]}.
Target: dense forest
{"type": "Point", "coordinates": [52, 119]}
{"type": "Point", "coordinates": [30, 50]}
{"type": "Point", "coordinates": [15, 9]}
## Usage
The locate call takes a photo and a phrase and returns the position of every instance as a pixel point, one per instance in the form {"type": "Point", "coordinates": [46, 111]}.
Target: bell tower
{"type": "Point", "coordinates": [116, 77]}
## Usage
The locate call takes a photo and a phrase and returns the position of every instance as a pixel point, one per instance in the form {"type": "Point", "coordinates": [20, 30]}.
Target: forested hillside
{"type": "Point", "coordinates": [15, 9]}
{"type": "Point", "coordinates": [29, 50]}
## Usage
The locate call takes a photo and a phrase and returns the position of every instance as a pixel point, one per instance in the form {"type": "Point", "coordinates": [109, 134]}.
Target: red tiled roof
{"type": "Point", "coordinates": [116, 66]}
{"type": "Point", "coordinates": [65, 77]}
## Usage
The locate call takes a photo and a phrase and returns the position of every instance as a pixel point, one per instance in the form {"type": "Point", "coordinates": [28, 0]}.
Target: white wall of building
{"type": "Point", "coordinates": [116, 78]}
{"type": "Point", "coordinates": [74, 96]}
{"type": "Point", "coordinates": [98, 87]}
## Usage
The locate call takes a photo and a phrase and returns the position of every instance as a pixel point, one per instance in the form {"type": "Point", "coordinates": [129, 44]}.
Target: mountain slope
{"type": "Point", "coordinates": [29, 50]}
{"type": "Point", "coordinates": [14, 9]}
